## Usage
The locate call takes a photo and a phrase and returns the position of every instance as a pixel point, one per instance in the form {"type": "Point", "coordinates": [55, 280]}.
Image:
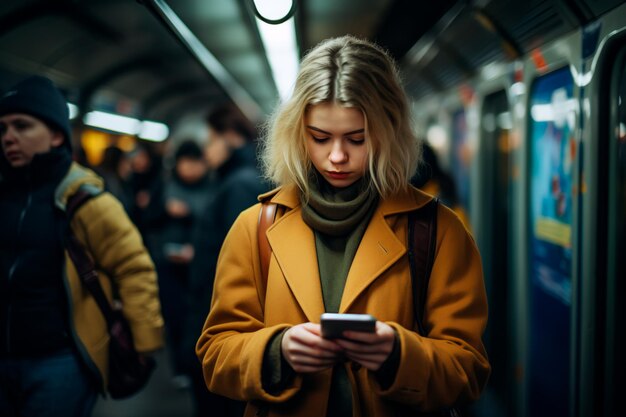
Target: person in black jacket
{"type": "Point", "coordinates": [231, 153]}
{"type": "Point", "coordinates": [53, 337]}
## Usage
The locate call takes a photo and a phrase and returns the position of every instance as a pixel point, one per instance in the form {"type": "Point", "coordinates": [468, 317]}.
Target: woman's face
{"type": "Point", "coordinates": [336, 142]}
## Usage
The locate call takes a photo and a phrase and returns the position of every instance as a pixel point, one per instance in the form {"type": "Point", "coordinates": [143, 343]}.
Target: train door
{"type": "Point", "coordinates": [495, 141]}
{"type": "Point", "coordinates": [552, 161]}
{"type": "Point", "coordinates": [615, 310]}
{"type": "Point", "coordinates": [603, 310]}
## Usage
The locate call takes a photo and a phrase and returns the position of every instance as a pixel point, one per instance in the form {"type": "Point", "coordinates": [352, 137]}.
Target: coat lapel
{"type": "Point", "coordinates": [293, 245]}
{"type": "Point", "coordinates": [379, 249]}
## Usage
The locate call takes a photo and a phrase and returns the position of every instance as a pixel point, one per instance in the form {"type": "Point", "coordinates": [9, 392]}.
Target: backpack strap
{"type": "Point", "coordinates": [422, 237]}
{"type": "Point", "coordinates": [267, 215]}
{"type": "Point", "coordinates": [76, 200]}
{"type": "Point", "coordinates": [82, 262]}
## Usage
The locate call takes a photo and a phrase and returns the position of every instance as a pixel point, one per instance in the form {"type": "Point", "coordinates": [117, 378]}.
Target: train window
{"type": "Point", "coordinates": [552, 161]}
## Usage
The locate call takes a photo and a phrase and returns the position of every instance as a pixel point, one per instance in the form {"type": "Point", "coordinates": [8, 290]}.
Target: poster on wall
{"type": "Point", "coordinates": [553, 154]}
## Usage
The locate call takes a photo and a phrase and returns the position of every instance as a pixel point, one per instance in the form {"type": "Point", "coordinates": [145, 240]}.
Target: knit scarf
{"type": "Point", "coordinates": [338, 217]}
{"type": "Point", "coordinates": [337, 211]}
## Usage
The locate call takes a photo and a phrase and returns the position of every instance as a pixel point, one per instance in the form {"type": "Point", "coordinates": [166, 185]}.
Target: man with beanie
{"type": "Point", "coordinates": [53, 337]}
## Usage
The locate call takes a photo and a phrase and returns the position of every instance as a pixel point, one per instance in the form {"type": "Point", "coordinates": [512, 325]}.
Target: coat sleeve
{"type": "Point", "coordinates": [449, 366]}
{"type": "Point", "coordinates": [232, 345]}
{"type": "Point", "coordinates": [117, 249]}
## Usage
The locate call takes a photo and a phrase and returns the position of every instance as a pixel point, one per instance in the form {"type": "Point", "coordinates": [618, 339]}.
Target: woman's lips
{"type": "Point", "coordinates": [338, 175]}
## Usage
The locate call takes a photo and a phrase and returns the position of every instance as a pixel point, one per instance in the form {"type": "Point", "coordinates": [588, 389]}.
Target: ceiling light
{"type": "Point", "coordinates": [112, 122]}
{"type": "Point", "coordinates": [279, 41]}
{"type": "Point", "coordinates": [149, 130]}
{"type": "Point", "coordinates": [153, 131]}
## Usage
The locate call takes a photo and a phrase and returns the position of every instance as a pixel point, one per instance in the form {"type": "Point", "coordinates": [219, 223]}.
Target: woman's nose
{"type": "Point", "coordinates": [337, 153]}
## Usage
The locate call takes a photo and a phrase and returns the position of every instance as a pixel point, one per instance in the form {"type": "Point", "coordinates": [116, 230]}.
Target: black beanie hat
{"type": "Point", "coordinates": [38, 97]}
{"type": "Point", "coordinates": [189, 149]}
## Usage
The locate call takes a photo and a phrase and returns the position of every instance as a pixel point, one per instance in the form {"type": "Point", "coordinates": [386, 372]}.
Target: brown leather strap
{"type": "Point", "coordinates": [422, 244]}
{"type": "Point", "coordinates": [267, 215]}
{"type": "Point", "coordinates": [75, 201]}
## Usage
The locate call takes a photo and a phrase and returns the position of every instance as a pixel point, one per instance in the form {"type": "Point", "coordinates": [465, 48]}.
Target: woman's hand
{"type": "Point", "coordinates": [306, 351]}
{"type": "Point", "coordinates": [369, 350]}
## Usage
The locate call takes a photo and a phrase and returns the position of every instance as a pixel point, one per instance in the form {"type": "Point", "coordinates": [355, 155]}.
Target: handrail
{"type": "Point", "coordinates": [290, 13]}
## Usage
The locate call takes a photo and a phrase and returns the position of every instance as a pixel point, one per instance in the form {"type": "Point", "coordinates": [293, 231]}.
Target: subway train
{"type": "Point", "coordinates": [521, 101]}
{"type": "Point", "coordinates": [534, 133]}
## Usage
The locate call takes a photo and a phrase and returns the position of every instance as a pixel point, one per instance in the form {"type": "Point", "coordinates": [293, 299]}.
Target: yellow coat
{"type": "Point", "coordinates": [104, 229]}
{"type": "Point", "coordinates": [449, 365]}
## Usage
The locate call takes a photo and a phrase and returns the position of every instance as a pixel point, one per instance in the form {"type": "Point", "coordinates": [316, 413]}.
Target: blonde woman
{"type": "Point", "coordinates": [342, 152]}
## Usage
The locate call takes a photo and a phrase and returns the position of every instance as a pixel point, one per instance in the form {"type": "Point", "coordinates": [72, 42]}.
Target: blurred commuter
{"type": "Point", "coordinates": [146, 179]}
{"type": "Point", "coordinates": [432, 179]}
{"type": "Point", "coordinates": [231, 153]}
{"type": "Point", "coordinates": [174, 213]}
{"type": "Point", "coordinates": [343, 152]}
{"type": "Point", "coordinates": [115, 170]}
{"type": "Point", "coordinates": [53, 337]}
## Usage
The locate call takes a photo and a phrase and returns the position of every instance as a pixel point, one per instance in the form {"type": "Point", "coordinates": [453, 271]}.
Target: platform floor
{"type": "Point", "coordinates": [160, 398]}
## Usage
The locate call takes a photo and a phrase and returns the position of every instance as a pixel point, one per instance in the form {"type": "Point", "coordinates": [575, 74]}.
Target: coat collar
{"type": "Point", "coordinates": [289, 196]}
{"type": "Point", "coordinates": [293, 245]}
{"type": "Point", "coordinates": [77, 177]}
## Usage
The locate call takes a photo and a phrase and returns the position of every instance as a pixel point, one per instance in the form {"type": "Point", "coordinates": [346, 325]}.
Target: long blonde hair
{"type": "Point", "coordinates": [353, 73]}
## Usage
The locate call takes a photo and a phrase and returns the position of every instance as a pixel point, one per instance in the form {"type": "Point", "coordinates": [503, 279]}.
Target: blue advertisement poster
{"type": "Point", "coordinates": [553, 154]}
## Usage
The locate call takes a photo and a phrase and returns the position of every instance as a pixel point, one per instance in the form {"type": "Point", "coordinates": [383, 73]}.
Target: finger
{"type": "Point", "coordinates": [314, 328]}
{"type": "Point", "coordinates": [302, 349]}
{"type": "Point", "coordinates": [384, 347]}
{"type": "Point", "coordinates": [311, 364]}
{"type": "Point", "coordinates": [304, 336]}
{"type": "Point", "coordinates": [351, 345]}
{"type": "Point", "coordinates": [362, 337]}
{"type": "Point", "coordinates": [384, 332]}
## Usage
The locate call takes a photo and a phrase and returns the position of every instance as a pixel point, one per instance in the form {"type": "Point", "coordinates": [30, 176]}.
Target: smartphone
{"type": "Point", "coordinates": [333, 325]}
